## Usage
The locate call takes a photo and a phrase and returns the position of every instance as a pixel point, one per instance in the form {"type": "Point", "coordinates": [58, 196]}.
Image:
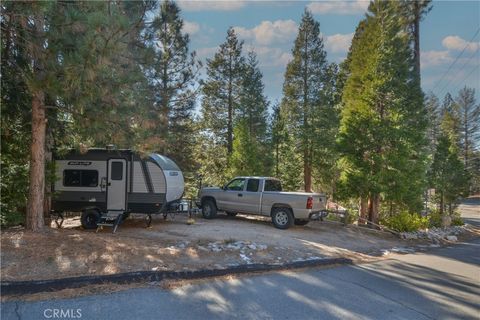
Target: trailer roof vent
{"type": "Point", "coordinates": [110, 147]}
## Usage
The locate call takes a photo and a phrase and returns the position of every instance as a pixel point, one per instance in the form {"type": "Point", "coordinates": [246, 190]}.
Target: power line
{"type": "Point", "coordinates": [442, 91]}
{"type": "Point", "coordinates": [455, 61]}
{"type": "Point", "coordinates": [464, 79]}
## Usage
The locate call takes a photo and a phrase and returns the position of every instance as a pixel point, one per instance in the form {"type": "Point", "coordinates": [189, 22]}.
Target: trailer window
{"type": "Point", "coordinates": [80, 178]}
{"type": "Point", "coordinates": [252, 185]}
{"type": "Point", "coordinates": [272, 185]}
{"type": "Point", "coordinates": [117, 170]}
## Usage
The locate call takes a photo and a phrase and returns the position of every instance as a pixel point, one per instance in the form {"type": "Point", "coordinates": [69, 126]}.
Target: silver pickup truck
{"type": "Point", "coordinates": [262, 196]}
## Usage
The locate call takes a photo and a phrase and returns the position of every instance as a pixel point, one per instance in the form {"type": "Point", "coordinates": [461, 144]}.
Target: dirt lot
{"type": "Point", "coordinates": [175, 245]}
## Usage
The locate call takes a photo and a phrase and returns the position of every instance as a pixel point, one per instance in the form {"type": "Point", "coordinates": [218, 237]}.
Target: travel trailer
{"type": "Point", "coordinates": [108, 184]}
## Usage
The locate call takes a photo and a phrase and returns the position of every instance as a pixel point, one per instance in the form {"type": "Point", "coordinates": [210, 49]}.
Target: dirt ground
{"type": "Point", "coordinates": [174, 245]}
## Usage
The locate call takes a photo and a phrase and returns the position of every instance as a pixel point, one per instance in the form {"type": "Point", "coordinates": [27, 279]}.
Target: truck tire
{"type": "Point", "coordinates": [231, 214]}
{"type": "Point", "coordinates": [282, 218]}
{"type": "Point", "coordinates": [209, 209]}
{"type": "Point", "coordinates": [300, 222]}
{"type": "Point", "coordinates": [89, 219]}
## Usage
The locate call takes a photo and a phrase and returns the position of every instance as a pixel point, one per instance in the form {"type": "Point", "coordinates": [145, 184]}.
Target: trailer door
{"type": "Point", "coordinates": [117, 185]}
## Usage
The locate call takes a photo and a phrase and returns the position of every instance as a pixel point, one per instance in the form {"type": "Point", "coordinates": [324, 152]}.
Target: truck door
{"type": "Point", "coordinates": [117, 185]}
{"type": "Point", "coordinates": [249, 202]}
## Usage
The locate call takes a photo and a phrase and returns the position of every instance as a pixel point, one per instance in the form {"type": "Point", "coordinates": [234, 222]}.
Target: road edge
{"type": "Point", "coordinates": [37, 286]}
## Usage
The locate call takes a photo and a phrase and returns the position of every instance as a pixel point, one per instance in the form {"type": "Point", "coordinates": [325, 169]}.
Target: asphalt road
{"type": "Point", "coordinates": [440, 284]}
{"type": "Point", "coordinates": [470, 209]}
{"type": "Point", "coordinates": [443, 283]}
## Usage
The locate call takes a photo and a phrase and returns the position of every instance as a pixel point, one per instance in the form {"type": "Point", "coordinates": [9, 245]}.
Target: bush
{"type": "Point", "coordinates": [436, 219]}
{"type": "Point", "coordinates": [406, 222]}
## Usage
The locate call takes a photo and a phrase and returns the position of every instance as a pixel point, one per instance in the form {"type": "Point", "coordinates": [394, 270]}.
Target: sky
{"type": "Point", "coordinates": [449, 35]}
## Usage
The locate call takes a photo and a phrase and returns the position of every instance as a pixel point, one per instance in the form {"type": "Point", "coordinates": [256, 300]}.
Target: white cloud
{"type": "Point", "coordinates": [200, 5]}
{"type": "Point", "coordinates": [270, 57]}
{"type": "Point", "coordinates": [339, 7]}
{"type": "Point", "coordinates": [268, 32]}
{"type": "Point", "coordinates": [338, 43]}
{"type": "Point", "coordinates": [458, 44]}
{"type": "Point", "coordinates": [190, 27]}
{"type": "Point", "coordinates": [434, 58]}
{"type": "Point", "coordinates": [207, 52]}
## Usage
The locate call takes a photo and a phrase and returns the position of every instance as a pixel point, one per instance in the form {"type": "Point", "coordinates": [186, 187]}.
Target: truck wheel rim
{"type": "Point", "coordinates": [281, 218]}
{"type": "Point", "coordinates": [207, 210]}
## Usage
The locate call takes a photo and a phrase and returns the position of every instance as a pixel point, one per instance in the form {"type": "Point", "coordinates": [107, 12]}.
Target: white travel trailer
{"type": "Point", "coordinates": [107, 184]}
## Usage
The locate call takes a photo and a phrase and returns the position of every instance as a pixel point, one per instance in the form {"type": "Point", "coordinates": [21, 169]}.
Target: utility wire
{"type": "Point", "coordinates": [455, 61]}
{"type": "Point", "coordinates": [442, 91]}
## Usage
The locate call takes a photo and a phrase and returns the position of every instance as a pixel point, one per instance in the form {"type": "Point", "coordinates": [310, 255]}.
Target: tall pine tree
{"type": "Point", "coordinates": [302, 89]}
{"type": "Point", "coordinates": [173, 75]}
{"type": "Point", "coordinates": [382, 132]}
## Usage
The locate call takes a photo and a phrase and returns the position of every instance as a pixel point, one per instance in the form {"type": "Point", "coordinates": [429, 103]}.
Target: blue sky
{"type": "Point", "coordinates": [270, 28]}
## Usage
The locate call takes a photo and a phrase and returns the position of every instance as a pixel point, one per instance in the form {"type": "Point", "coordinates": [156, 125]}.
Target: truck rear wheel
{"type": "Point", "coordinates": [300, 222]}
{"type": "Point", "coordinates": [209, 209]}
{"type": "Point", "coordinates": [282, 218]}
{"type": "Point", "coordinates": [89, 219]}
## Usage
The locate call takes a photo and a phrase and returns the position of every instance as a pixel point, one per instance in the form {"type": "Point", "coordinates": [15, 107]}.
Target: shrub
{"type": "Point", "coordinates": [435, 219]}
{"type": "Point", "coordinates": [406, 222]}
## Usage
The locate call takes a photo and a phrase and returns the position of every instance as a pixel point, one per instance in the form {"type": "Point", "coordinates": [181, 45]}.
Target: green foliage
{"type": "Point", "coordinates": [382, 131]}
{"type": "Point", "coordinates": [406, 222]}
{"type": "Point", "coordinates": [172, 73]}
{"type": "Point", "coordinates": [447, 174]}
{"type": "Point", "coordinates": [310, 119]}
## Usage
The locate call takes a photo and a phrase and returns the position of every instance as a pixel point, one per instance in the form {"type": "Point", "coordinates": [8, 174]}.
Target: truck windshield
{"type": "Point", "coordinates": [273, 185]}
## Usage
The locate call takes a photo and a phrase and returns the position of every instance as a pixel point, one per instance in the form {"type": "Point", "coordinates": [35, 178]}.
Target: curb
{"type": "Point", "coordinates": [36, 286]}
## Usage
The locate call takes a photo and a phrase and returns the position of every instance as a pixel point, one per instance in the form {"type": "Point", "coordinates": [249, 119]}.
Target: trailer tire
{"type": "Point", "coordinates": [301, 222]}
{"type": "Point", "coordinates": [90, 218]}
{"type": "Point", "coordinates": [282, 217]}
{"type": "Point", "coordinates": [209, 209]}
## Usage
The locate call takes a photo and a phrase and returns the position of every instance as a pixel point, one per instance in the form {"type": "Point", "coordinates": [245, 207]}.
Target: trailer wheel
{"type": "Point", "coordinates": [209, 209]}
{"type": "Point", "coordinates": [300, 222]}
{"type": "Point", "coordinates": [282, 218]}
{"type": "Point", "coordinates": [89, 219]}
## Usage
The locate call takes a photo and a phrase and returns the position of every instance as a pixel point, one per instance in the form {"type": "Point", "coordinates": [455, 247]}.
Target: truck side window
{"type": "Point", "coordinates": [272, 185]}
{"type": "Point", "coordinates": [252, 185]}
{"type": "Point", "coordinates": [236, 185]}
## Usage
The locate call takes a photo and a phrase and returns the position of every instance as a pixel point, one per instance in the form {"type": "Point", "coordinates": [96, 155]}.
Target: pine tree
{"type": "Point", "coordinates": [69, 47]}
{"type": "Point", "coordinates": [432, 105]}
{"type": "Point", "coordinates": [413, 12]}
{"type": "Point", "coordinates": [447, 175]}
{"type": "Point", "coordinates": [251, 124]}
{"type": "Point", "coordinates": [382, 132]}
{"type": "Point", "coordinates": [302, 89]}
{"type": "Point", "coordinates": [469, 123]}
{"type": "Point", "coordinates": [222, 90]}
{"type": "Point", "coordinates": [173, 75]}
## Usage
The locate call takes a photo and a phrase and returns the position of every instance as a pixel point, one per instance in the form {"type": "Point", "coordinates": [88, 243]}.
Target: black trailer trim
{"type": "Point", "coordinates": [146, 174]}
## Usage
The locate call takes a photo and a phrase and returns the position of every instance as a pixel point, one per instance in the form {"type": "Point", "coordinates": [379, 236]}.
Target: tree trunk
{"type": "Point", "coordinates": [307, 173]}
{"type": "Point", "coordinates": [363, 210]}
{"type": "Point", "coordinates": [416, 36]}
{"type": "Point", "coordinates": [373, 207]}
{"type": "Point", "coordinates": [35, 220]}
{"type": "Point", "coordinates": [34, 216]}
{"type": "Point", "coordinates": [441, 203]}
{"type": "Point", "coordinates": [47, 203]}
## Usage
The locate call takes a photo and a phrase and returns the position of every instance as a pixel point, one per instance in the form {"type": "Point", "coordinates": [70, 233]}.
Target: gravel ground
{"type": "Point", "coordinates": [175, 245]}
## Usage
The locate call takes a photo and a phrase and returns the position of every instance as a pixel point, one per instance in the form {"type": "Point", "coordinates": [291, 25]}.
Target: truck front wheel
{"type": "Point", "coordinates": [282, 218]}
{"type": "Point", "coordinates": [209, 209]}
